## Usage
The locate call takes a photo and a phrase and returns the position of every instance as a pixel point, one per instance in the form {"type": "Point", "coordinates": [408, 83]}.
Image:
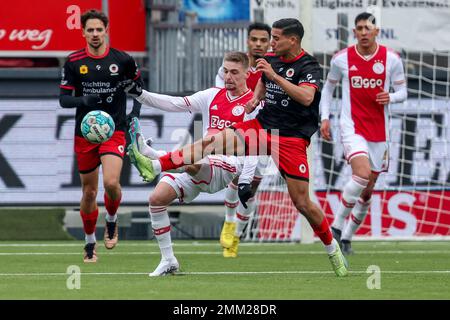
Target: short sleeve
{"type": "Point", "coordinates": [310, 75]}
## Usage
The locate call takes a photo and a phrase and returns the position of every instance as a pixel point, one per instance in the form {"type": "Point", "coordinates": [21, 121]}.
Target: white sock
{"type": "Point", "coordinates": [231, 202]}
{"type": "Point", "coordinates": [90, 238]}
{"type": "Point", "coordinates": [358, 216]}
{"type": "Point", "coordinates": [330, 248]}
{"type": "Point", "coordinates": [161, 230]}
{"type": "Point", "coordinates": [352, 191]}
{"type": "Point", "coordinates": [111, 218]}
{"type": "Point", "coordinates": [242, 215]}
{"type": "Point", "coordinates": [156, 166]}
{"type": "Point", "coordinates": [148, 151]}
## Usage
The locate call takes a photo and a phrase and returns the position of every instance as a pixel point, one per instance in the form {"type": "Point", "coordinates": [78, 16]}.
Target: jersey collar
{"type": "Point", "coordinates": [371, 56]}
{"type": "Point", "coordinates": [97, 57]}
{"type": "Point", "coordinates": [302, 53]}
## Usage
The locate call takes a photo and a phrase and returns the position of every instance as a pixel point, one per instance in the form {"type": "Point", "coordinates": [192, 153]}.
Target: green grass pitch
{"type": "Point", "coordinates": [409, 270]}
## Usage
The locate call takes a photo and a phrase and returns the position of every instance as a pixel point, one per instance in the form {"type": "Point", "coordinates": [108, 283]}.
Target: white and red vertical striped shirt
{"type": "Point", "coordinates": [362, 79]}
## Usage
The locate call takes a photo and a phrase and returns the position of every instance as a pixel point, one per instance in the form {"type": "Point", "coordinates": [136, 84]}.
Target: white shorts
{"type": "Point", "coordinates": [377, 152]}
{"type": "Point", "coordinates": [212, 177]}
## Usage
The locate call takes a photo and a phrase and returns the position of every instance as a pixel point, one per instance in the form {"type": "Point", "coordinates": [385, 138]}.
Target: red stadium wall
{"type": "Point", "coordinates": [392, 213]}
{"type": "Point", "coordinates": [52, 28]}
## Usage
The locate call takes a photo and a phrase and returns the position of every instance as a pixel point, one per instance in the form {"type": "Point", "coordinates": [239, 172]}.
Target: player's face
{"type": "Point", "coordinates": [235, 76]}
{"type": "Point", "coordinates": [366, 33]}
{"type": "Point", "coordinates": [258, 43]}
{"type": "Point", "coordinates": [281, 44]}
{"type": "Point", "coordinates": [95, 33]}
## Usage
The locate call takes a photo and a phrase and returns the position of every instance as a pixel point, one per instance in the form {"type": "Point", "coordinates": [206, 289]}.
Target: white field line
{"type": "Point", "coordinates": [152, 243]}
{"type": "Point", "coordinates": [425, 272]}
{"type": "Point", "coordinates": [242, 253]}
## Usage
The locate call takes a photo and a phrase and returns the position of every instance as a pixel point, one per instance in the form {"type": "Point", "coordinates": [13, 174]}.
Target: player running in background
{"type": "Point", "coordinates": [290, 86]}
{"type": "Point", "coordinates": [367, 70]}
{"type": "Point", "coordinates": [220, 108]}
{"type": "Point", "coordinates": [89, 80]}
{"type": "Point", "coordinates": [258, 43]}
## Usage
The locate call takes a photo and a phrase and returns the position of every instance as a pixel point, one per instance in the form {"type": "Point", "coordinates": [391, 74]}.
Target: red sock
{"type": "Point", "coordinates": [172, 160]}
{"type": "Point", "coordinates": [111, 205]}
{"type": "Point", "coordinates": [89, 221]}
{"type": "Point", "coordinates": [323, 232]}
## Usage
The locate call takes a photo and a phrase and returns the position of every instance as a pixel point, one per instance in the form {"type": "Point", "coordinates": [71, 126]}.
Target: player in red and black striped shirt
{"type": "Point", "coordinates": [89, 80]}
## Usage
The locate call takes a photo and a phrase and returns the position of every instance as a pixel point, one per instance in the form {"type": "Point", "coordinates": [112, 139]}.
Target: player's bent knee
{"type": "Point", "coordinates": [158, 200]}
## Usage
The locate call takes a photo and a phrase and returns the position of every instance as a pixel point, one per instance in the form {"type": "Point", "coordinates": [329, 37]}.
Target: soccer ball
{"type": "Point", "coordinates": [97, 126]}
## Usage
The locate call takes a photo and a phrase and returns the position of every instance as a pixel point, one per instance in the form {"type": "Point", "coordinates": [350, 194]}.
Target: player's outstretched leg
{"type": "Point", "coordinates": [299, 192]}
{"type": "Point", "coordinates": [142, 163]}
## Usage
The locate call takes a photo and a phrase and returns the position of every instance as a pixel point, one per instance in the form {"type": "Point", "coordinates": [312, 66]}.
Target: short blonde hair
{"type": "Point", "coordinates": [238, 57]}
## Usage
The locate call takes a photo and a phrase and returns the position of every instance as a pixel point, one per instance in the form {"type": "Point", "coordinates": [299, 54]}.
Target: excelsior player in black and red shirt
{"type": "Point", "coordinates": [89, 80]}
{"type": "Point", "coordinates": [290, 87]}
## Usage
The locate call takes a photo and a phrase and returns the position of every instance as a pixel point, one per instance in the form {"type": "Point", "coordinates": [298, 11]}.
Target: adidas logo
{"type": "Point", "coordinates": [353, 68]}
{"type": "Point", "coordinates": [214, 107]}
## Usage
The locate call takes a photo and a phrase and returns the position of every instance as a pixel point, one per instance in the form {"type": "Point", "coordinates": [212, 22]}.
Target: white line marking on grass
{"type": "Point", "coordinates": [152, 243]}
{"type": "Point", "coordinates": [426, 272]}
{"type": "Point", "coordinates": [242, 253]}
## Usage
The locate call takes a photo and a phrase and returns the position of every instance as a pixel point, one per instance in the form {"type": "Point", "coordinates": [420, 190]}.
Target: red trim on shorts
{"type": "Point", "coordinates": [355, 153]}
{"type": "Point", "coordinates": [180, 188]}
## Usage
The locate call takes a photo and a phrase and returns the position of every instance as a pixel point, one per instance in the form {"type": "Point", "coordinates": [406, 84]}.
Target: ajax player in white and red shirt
{"type": "Point", "coordinates": [258, 43]}
{"type": "Point", "coordinates": [220, 108]}
{"type": "Point", "coordinates": [368, 70]}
